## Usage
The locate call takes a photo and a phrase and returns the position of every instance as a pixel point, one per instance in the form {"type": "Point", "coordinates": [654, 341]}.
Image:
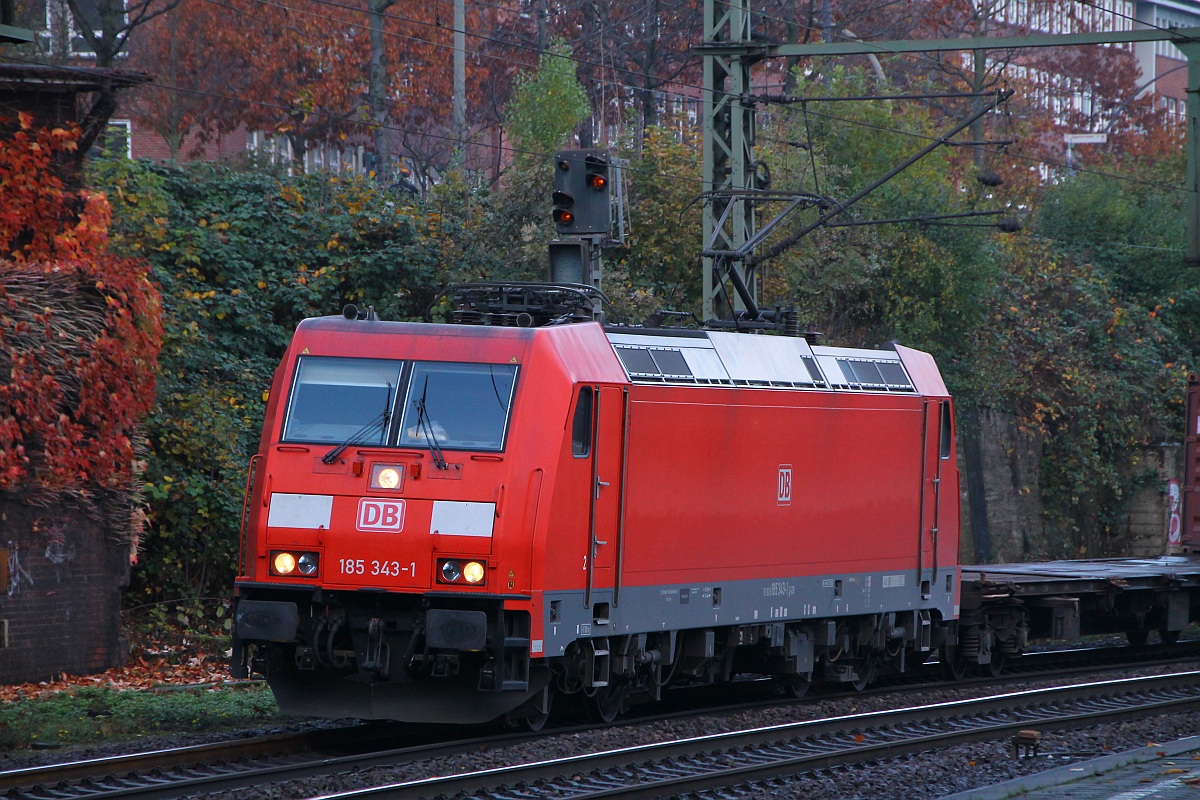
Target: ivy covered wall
{"type": "Point", "coordinates": [79, 339]}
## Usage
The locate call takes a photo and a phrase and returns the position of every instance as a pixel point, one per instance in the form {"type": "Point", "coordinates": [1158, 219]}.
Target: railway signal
{"type": "Point", "coordinates": [582, 193]}
{"type": "Point", "coordinates": [570, 261]}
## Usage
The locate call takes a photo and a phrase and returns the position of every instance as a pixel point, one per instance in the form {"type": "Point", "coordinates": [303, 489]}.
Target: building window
{"type": "Point", "coordinates": [61, 33]}
{"type": "Point", "coordinates": [118, 139]}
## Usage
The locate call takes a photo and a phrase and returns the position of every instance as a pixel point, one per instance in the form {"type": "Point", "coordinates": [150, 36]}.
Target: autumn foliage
{"type": "Point", "coordinates": [79, 330]}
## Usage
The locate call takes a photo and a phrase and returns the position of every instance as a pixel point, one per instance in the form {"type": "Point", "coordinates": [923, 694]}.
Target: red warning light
{"type": "Point", "coordinates": [597, 182]}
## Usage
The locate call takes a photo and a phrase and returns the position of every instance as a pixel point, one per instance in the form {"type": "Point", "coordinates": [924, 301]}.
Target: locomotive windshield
{"type": "Point", "coordinates": [342, 399]}
{"type": "Point", "coordinates": [349, 401]}
{"type": "Point", "coordinates": [457, 405]}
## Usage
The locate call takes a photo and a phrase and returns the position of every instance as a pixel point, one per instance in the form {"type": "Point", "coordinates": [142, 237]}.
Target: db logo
{"type": "Point", "coordinates": [784, 498]}
{"type": "Point", "coordinates": [380, 515]}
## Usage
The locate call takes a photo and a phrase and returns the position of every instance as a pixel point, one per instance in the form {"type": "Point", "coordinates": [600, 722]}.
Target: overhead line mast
{"type": "Point", "coordinates": [730, 169]}
{"type": "Point", "coordinates": [729, 164]}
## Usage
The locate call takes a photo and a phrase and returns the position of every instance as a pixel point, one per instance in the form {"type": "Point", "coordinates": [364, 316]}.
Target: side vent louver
{"type": "Point", "coordinates": [758, 362]}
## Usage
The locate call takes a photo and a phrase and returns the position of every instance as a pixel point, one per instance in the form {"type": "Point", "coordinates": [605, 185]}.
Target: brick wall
{"type": "Point", "coordinates": [146, 143]}
{"type": "Point", "coordinates": [61, 579]}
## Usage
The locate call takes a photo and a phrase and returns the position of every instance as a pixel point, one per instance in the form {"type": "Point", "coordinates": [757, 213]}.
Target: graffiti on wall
{"type": "Point", "coordinates": [1174, 521]}
{"type": "Point", "coordinates": [58, 552]}
{"type": "Point", "coordinates": [17, 575]}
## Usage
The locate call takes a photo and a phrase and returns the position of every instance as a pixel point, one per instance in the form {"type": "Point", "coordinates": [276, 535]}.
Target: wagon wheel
{"type": "Point", "coordinates": [953, 665]}
{"type": "Point", "coordinates": [865, 669]}
{"type": "Point", "coordinates": [533, 713]}
{"type": "Point", "coordinates": [794, 686]}
{"type": "Point", "coordinates": [1138, 636]}
{"type": "Point", "coordinates": [606, 704]}
{"type": "Point", "coordinates": [994, 667]}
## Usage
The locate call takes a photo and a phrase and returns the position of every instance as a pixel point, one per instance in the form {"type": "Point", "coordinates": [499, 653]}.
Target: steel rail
{"type": "Point", "coordinates": [725, 759]}
{"type": "Point", "coordinates": [157, 759]}
{"type": "Point", "coordinates": [176, 772]}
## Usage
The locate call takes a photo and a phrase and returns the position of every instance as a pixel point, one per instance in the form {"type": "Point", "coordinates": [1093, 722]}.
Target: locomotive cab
{"type": "Point", "coordinates": [386, 564]}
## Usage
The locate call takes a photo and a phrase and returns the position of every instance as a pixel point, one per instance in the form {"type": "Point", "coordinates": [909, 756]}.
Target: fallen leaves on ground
{"type": "Point", "coordinates": [151, 670]}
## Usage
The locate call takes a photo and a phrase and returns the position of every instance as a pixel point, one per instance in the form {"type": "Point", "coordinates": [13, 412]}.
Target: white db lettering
{"type": "Point", "coordinates": [380, 515]}
{"type": "Point", "coordinates": [784, 497]}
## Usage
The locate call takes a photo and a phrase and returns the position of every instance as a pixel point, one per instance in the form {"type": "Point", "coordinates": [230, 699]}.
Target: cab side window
{"type": "Point", "coordinates": [581, 424]}
{"type": "Point", "coordinates": [946, 445]}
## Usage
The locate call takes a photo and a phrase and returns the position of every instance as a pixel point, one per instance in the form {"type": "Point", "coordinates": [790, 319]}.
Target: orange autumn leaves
{"type": "Point", "coordinates": [79, 327]}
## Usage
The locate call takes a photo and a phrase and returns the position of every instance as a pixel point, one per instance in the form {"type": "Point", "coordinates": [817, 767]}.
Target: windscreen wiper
{"type": "Point", "coordinates": [379, 421]}
{"type": "Point", "coordinates": [427, 430]}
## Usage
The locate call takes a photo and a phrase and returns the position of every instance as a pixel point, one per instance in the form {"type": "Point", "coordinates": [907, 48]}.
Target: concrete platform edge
{"type": "Point", "coordinates": [1069, 773]}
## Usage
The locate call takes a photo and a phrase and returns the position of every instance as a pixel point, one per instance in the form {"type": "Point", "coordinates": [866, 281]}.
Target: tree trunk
{"type": "Point", "coordinates": [979, 126]}
{"type": "Point", "coordinates": [299, 151]}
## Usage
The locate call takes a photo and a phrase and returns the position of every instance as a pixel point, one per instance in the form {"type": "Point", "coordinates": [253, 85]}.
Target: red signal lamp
{"type": "Point", "coordinates": [597, 182]}
{"type": "Point", "coordinates": [563, 217]}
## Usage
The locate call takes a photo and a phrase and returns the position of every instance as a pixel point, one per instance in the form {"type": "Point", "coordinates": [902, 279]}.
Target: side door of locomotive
{"type": "Point", "coordinates": [606, 507]}
{"type": "Point", "coordinates": [938, 449]}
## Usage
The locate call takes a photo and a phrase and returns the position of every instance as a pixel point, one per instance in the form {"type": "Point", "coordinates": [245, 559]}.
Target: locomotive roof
{"type": "Point", "coordinates": [682, 357]}
{"type": "Point", "coordinates": [340, 324]}
{"type": "Point", "coordinates": [739, 359]}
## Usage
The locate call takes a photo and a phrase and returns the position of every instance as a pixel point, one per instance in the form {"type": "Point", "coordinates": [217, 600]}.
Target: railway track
{"type": "Point", "coordinates": [743, 758]}
{"type": "Point", "coordinates": [225, 766]}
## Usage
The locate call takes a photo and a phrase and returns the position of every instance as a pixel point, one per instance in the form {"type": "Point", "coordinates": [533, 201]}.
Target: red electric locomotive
{"type": "Point", "coordinates": [457, 522]}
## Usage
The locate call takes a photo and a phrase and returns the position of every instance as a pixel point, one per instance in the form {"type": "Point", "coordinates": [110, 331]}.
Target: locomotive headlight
{"type": "Point", "coordinates": [307, 563]}
{"type": "Point", "coordinates": [454, 571]}
{"type": "Point", "coordinates": [284, 563]}
{"type": "Point", "coordinates": [473, 572]}
{"type": "Point", "coordinates": [451, 572]}
{"type": "Point", "coordinates": [294, 563]}
{"type": "Point", "coordinates": [387, 476]}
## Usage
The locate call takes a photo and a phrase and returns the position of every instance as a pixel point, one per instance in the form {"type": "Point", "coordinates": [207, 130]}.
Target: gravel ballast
{"type": "Point", "coordinates": [929, 775]}
{"type": "Point", "coordinates": [925, 776]}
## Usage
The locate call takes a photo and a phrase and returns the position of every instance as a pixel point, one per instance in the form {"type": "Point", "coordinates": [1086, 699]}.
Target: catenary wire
{"type": "Point", "coordinates": [994, 151]}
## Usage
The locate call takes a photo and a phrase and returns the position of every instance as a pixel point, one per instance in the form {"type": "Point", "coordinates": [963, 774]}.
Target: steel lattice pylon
{"type": "Point", "coordinates": [728, 148]}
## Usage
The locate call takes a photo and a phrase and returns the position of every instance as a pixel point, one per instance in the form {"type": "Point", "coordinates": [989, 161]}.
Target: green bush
{"type": "Point", "coordinates": [92, 714]}
{"type": "Point", "coordinates": [242, 256]}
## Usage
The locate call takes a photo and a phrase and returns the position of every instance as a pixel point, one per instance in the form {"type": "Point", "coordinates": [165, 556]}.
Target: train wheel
{"type": "Point", "coordinates": [795, 686]}
{"type": "Point", "coordinates": [953, 665]}
{"type": "Point", "coordinates": [535, 722]}
{"type": "Point", "coordinates": [606, 704]}
{"type": "Point", "coordinates": [1138, 637]}
{"type": "Point", "coordinates": [995, 666]}
{"type": "Point", "coordinates": [865, 670]}
{"type": "Point", "coordinates": [534, 713]}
